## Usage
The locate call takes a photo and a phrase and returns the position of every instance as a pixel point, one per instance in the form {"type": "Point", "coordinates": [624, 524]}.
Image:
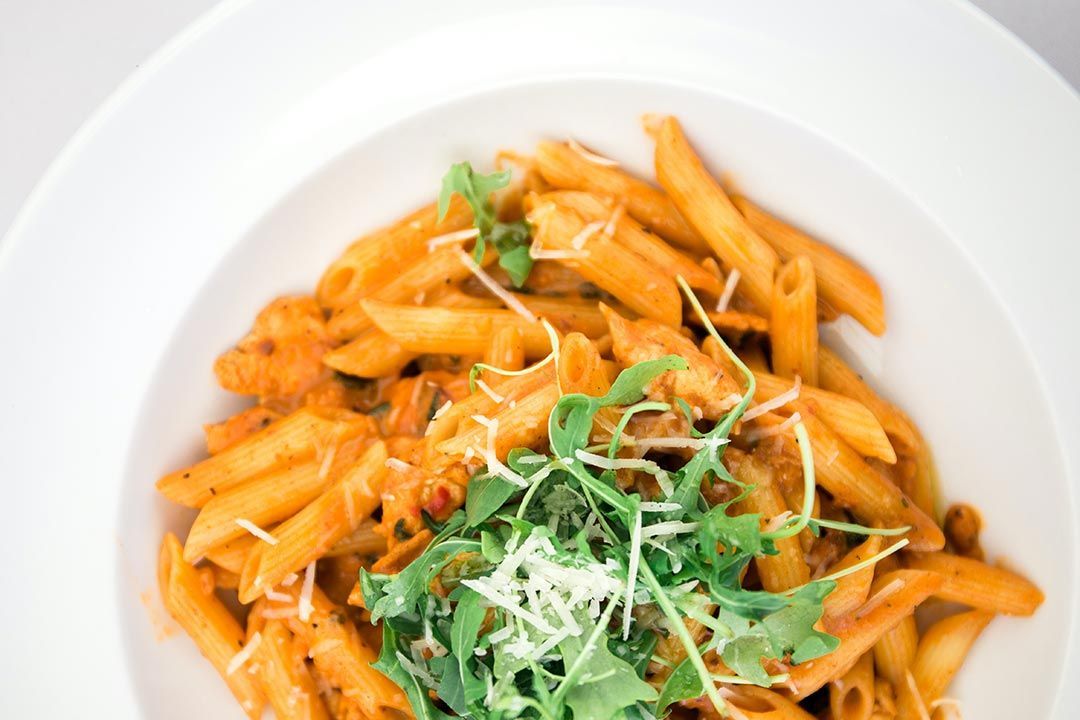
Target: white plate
{"type": "Point", "coordinates": [921, 138]}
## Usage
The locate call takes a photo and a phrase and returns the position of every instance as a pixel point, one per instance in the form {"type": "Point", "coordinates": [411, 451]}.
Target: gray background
{"type": "Point", "coordinates": [59, 59]}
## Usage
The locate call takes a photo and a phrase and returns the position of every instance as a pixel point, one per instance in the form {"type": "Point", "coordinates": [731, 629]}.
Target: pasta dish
{"type": "Point", "coordinates": [566, 444]}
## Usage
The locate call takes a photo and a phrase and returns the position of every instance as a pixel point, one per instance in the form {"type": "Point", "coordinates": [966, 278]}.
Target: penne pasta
{"type": "Point", "coordinates": [284, 677]}
{"type": "Point", "coordinates": [506, 351]}
{"type": "Point", "coordinates": [842, 283]}
{"type": "Point", "coordinates": [702, 201]}
{"type": "Point", "coordinates": [904, 589]}
{"type": "Point", "coordinates": [977, 584]}
{"type": "Point", "coordinates": [564, 168]}
{"type": "Point", "coordinates": [851, 590]}
{"type": "Point", "coordinates": [207, 622]}
{"type": "Point", "coordinates": [598, 211]}
{"type": "Point", "coordinates": [851, 696]}
{"type": "Point", "coordinates": [361, 268]}
{"type": "Point", "coordinates": [291, 439]}
{"type": "Point", "coordinates": [310, 533]}
{"type": "Point", "coordinates": [848, 418]}
{"type": "Point", "coordinates": [793, 330]}
{"type": "Point", "coordinates": [610, 265]}
{"type": "Point", "coordinates": [942, 650]}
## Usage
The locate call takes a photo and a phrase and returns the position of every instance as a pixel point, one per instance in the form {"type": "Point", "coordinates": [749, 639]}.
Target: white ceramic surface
{"type": "Point", "coordinates": [255, 146]}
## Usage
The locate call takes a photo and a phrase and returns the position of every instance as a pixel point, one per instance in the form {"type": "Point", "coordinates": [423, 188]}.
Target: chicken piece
{"type": "Point", "coordinates": [282, 355]}
{"type": "Point", "coordinates": [704, 384]}
{"type": "Point", "coordinates": [231, 431]}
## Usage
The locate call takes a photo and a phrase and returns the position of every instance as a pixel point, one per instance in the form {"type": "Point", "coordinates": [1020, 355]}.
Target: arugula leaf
{"type": "Point", "coordinates": [682, 684]}
{"type": "Point", "coordinates": [629, 386]}
{"type": "Point", "coordinates": [606, 685]}
{"type": "Point", "coordinates": [511, 240]}
{"type": "Point", "coordinates": [460, 687]}
{"type": "Point", "coordinates": [417, 693]}
{"type": "Point", "coordinates": [484, 495]}
{"type": "Point", "coordinates": [476, 190]}
{"type": "Point", "coordinates": [743, 655]}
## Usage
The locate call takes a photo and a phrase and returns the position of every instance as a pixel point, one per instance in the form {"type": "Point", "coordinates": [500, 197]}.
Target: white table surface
{"type": "Point", "coordinates": [59, 59]}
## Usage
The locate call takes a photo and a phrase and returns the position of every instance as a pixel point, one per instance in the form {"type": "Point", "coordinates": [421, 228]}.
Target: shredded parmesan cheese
{"type": "Point", "coordinates": [304, 607]}
{"type": "Point", "coordinates": [453, 237]}
{"type": "Point", "coordinates": [590, 155]}
{"type": "Point", "coordinates": [276, 596]}
{"type": "Point", "coordinates": [496, 289]}
{"type": "Point", "coordinates": [244, 655]}
{"type": "Point", "coordinates": [398, 465]}
{"type": "Point", "coordinates": [442, 409]}
{"type": "Point", "coordinates": [495, 397]}
{"type": "Point", "coordinates": [761, 433]}
{"type": "Point", "coordinates": [777, 402]}
{"type": "Point", "coordinates": [324, 646]}
{"type": "Point", "coordinates": [578, 241]}
{"type": "Point", "coordinates": [257, 531]}
{"type": "Point", "coordinates": [289, 580]}
{"type": "Point", "coordinates": [613, 222]}
{"type": "Point", "coordinates": [728, 291]}
{"type": "Point", "coordinates": [542, 254]}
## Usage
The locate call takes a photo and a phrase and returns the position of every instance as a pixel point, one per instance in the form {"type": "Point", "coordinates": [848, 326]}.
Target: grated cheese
{"type": "Point", "coordinates": [327, 461]}
{"type": "Point", "coordinates": [289, 580]}
{"type": "Point", "coordinates": [542, 254]}
{"type": "Point", "coordinates": [606, 463]}
{"type": "Point", "coordinates": [495, 397]}
{"type": "Point", "coordinates": [728, 291]}
{"type": "Point", "coordinates": [777, 402]}
{"type": "Point", "coordinates": [496, 289]}
{"type": "Point", "coordinates": [398, 465]}
{"type": "Point", "coordinates": [324, 646]}
{"type": "Point", "coordinates": [453, 237]}
{"type": "Point", "coordinates": [679, 442]}
{"type": "Point", "coordinates": [494, 464]}
{"type": "Point", "coordinates": [244, 655]}
{"type": "Point", "coordinates": [578, 241]}
{"type": "Point", "coordinates": [671, 527]}
{"type": "Point", "coordinates": [590, 155]}
{"type": "Point", "coordinates": [613, 221]}
{"type": "Point", "coordinates": [304, 606]}
{"type": "Point", "coordinates": [442, 409]}
{"type": "Point", "coordinates": [257, 531]}
{"type": "Point", "coordinates": [631, 573]}
{"type": "Point", "coordinates": [276, 596]}
{"type": "Point", "coordinates": [659, 506]}
{"type": "Point", "coordinates": [756, 434]}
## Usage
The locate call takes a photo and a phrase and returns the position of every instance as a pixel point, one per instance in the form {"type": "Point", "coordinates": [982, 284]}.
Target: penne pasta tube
{"type": "Point", "coordinates": [232, 554]}
{"type": "Point", "coordinates": [362, 267]}
{"type": "Point", "coordinates": [609, 265]}
{"type": "Point", "coordinates": [362, 541]}
{"type": "Point", "coordinates": [848, 418]}
{"type": "Point", "coordinates": [793, 330]}
{"type": "Point", "coordinates": [842, 283]}
{"type": "Point", "coordinates": [757, 703]}
{"type": "Point", "coordinates": [426, 275]}
{"type": "Point", "coordinates": [464, 331]}
{"type": "Point", "coordinates": [788, 568]}
{"type": "Point", "coordinates": [564, 168]}
{"type": "Point", "coordinates": [207, 622]}
{"type": "Point", "coordinates": [977, 584]}
{"type": "Point", "coordinates": [835, 376]}
{"type": "Point", "coordinates": [269, 499]}
{"type": "Point", "coordinates": [895, 651]}
{"type": "Point", "coordinates": [506, 351]}
{"type": "Point", "coordinates": [344, 660]}
{"type": "Point", "coordinates": [851, 696]}
{"type": "Point", "coordinates": [851, 590]}
{"type": "Point", "coordinates": [284, 677]}
{"type": "Point", "coordinates": [306, 536]}
{"type": "Point", "coordinates": [859, 488]}
{"type": "Point", "coordinates": [942, 651]}
{"type": "Point", "coordinates": [893, 597]}
{"type": "Point", "coordinates": [702, 201]}
{"type": "Point", "coordinates": [375, 354]}
{"type": "Point", "coordinates": [523, 425]}
{"type": "Point", "coordinates": [291, 439]}
{"type": "Point", "coordinates": [628, 232]}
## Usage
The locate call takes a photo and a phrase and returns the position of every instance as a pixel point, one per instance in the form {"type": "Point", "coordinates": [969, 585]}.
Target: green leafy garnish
{"type": "Point", "coordinates": [511, 240]}
{"type": "Point", "coordinates": [547, 601]}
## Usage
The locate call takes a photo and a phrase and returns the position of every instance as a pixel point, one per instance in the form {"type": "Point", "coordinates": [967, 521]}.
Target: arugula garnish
{"type": "Point", "coordinates": [466, 620]}
{"type": "Point", "coordinates": [510, 240]}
